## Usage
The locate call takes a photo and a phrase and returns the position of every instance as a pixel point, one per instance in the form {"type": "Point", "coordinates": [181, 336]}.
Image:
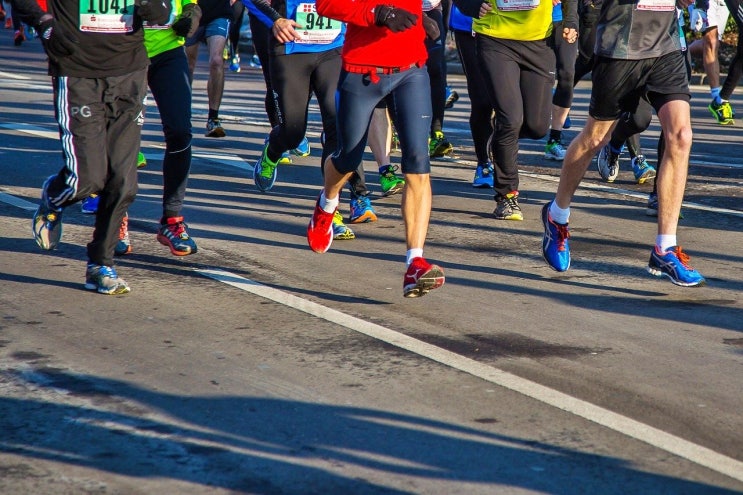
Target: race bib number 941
{"type": "Point", "coordinates": [107, 16]}
{"type": "Point", "coordinates": [315, 28]}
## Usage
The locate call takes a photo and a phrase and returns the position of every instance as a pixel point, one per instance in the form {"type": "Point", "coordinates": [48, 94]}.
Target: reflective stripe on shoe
{"type": "Point", "coordinates": [674, 264]}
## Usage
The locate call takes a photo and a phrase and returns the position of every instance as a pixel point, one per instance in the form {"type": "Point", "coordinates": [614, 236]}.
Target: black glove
{"type": "Point", "coordinates": [154, 11]}
{"type": "Point", "coordinates": [56, 42]}
{"type": "Point", "coordinates": [188, 21]}
{"type": "Point", "coordinates": [393, 18]}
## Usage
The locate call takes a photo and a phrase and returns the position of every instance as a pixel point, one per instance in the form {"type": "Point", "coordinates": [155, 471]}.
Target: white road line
{"type": "Point", "coordinates": [32, 129]}
{"type": "Point", "coordinates": [604, 417]}
{"type": "Point", "coordinates": [17, 202]}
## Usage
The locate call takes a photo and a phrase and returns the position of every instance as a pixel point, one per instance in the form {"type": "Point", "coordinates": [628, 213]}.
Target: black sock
{"type": "Point", "coordinates": [213, 114]}
{"type": "Point", "coordinates": [555, 135]}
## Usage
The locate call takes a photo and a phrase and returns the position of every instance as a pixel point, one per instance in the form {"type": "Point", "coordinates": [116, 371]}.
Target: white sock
{"type": "Point", "coordinates": [665, 242]}
{"type": "Point", "coordinates": [414, 253]}
{"type": "Point", "coordinates": [559, 215]}
{"type": "Point", "coordinates": [329, 205]}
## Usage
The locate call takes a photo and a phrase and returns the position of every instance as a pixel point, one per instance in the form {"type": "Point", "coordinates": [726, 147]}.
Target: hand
{"type": "Point", "coordinates": [485, 7]}
{"type": "Point", "coordinates": [188, 21]}
{"type": "Point", "coordinates": [153, 11]}
{"type": "Point", "coordinates": [395, 19]}
{"type": "Point", "coordinates": [56, 42]}
{"type": "Point", "coordinates": [698, 21]}
{"type": "Point", "coordinates": [283, 30]}
{"type": "Point", "coordinates": [431, 27]}
{"type": "Point", "coordinates": [570, 35]}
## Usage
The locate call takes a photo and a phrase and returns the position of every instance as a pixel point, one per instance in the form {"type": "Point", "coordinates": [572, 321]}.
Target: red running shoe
{"type": "Point", "coordinates": [421, 277]}
{"type": "Point", "coordinates": [320, 229]}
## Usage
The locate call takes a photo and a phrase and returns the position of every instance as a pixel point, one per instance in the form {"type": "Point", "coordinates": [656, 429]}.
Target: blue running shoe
{"type": "Point", "coordinates": [568, 123]}
{"type": "Point", "coordinates": [361, 210]}
{"type": "Point", "coordinates": [104, 280]}
{"type": "Point", "coordinates": [286, 159]}
{"type": "Point", "coordinates": [47, 221]}
{"type": "Point", "coordinates": [89, 205]}
{"type": "Point", "coordinates": [674, 264]}
{"type": "Point", "coordinates": [303, 149]}
{"type": "Point", "coordinates": [340, 230]}
{"type": "Point", "coordinates": [264, 172]}
{"type": "Point", "coordinates": [555, 248]}
{"type": "Point", "coordinates": [483, 175]}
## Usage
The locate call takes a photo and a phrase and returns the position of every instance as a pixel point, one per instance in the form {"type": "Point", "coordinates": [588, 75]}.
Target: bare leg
{"type": "Point", "coordinates": [581, 151]}
{"type": "Point", "coordinates": [416, 208]}
{"type": "Point", "coordinates": [215, 85]}
{"type": "Point", "coordinates": [675, 120]}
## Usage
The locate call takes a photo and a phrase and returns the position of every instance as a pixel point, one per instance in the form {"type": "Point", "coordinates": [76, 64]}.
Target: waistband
{"type": "Point", "coordinates": [375, 71]}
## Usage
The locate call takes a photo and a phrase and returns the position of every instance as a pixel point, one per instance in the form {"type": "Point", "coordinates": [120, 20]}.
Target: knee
{"type": "Point", "coordinates": [177, 139]}
{"type": "Point", "coordinates": [679, 139]}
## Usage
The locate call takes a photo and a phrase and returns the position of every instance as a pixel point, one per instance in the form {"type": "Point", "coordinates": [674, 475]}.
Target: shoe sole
{"type": "Point", "coordinates": [660, 273]}
{"type": "Point", "coordinates": [553, 157]}
{"type": "Point", "coordinates": [645, 177]}
{"type": "Point", "coordinates": [513, 216]}
{"type": "Point", "coordinates": [166, 242]}
{"type": "Point", "coordinates": [482, 186]}
{"type": "Point", "coordinates": [365, 218]}
{"type": "Point", "coordinates": [442, 153]}
{"type": "Point", "coordinates": [394, 189]}
{"type": "Point", "coordinates": [432, 279]}
{"type": "Point", "coordinates": [216, 133]}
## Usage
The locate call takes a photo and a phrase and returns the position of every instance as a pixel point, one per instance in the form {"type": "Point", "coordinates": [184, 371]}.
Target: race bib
{"type": "Point", "coordinates": [314, 28]}
{"type": "Point", "coordinates": [657, 5]}
{"type": "Point", "coordinates": [507, 5]}
{"type": "Point", "coordinates": [107, 16]}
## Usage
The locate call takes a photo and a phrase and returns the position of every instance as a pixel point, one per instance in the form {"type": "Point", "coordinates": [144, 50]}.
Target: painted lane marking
{"type": "Point", "coordinates": [604, 417]}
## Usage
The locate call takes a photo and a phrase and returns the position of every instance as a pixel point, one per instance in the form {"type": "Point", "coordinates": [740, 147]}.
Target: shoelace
{"type": "Point", "coordinates": [124, 229]}
{"type": "Point", "coordinates": [563, 234]}
{"type": "Point", "coordinates": [390, 172]}
{"type": "Point", "coordinates": [683, 257]}
{"type": "Point", "coordinates": [177, 229]}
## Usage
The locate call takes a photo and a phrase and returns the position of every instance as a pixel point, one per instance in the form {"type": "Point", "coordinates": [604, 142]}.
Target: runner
{"type": "Point", "coordinates": [384, 54]}
{"type": "Point", "coordinates": [638, 55]}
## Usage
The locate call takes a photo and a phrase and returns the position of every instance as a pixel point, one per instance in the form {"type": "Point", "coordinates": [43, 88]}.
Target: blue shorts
{"type": "Point", "coordinates": [408, 96]}
{"type": "Point", "coordinates": [216, 27]}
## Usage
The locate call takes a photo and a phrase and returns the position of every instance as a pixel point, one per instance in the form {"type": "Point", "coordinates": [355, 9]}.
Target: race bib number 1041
{"type": "Point", "coordinates": [107, 16]}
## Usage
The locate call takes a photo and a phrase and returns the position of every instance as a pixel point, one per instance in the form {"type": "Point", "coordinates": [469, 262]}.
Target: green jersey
{"type": "Point", "coordinates": [159, 39]}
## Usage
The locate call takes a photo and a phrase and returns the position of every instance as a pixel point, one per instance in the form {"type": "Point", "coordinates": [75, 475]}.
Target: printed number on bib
{"type": "Point", "coordinates": [314, 28]}
{"type": "Point", "coordinates": [657, 5]}
{"type": "Point", "coordinates": [106, 16]}
{"type": "Point", "coordinates": [517, 4]}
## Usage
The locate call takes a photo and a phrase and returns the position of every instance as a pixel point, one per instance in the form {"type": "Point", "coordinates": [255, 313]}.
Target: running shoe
{"type": "Point", "coordinates": [285, 159]}
{"type": "Point", "coordinates": [723, 112]}
{"type": "Point", "coordinates": [421, 277]}
{"type": "Point", "coordinates": [507, 207]}
{"type": "Point", "coordinates": [568, 123]}
{"type": "Point", "coordinates": [141, 160]}
{"type": "Point", "coordinates": [19, 37]}
{"type": "Point", "coordinates": [554, 150]}
{"type": "Point", "coordinates": [3, 14]}
{"type": "Point", "coordinates": [89, 205]}
{"type": "Point", "coordinates": [555, 247]}
{"type": "Point", "coordinates": [8, 23]}
{"type": "Point", "coordinates": [320, 229]}
{"type": "Point", "coordinates": [607, 163]}
{"type": "Point", "coordinates": [226, 53]}
{"type": "Point", "coordinates": [124, 245]}
{"type": "Point", "coordinates": [361, 210]}
{"type": "Point", "coordinates": [264, 172]}
{"type": "Point", "coordinates": [674, 264]}
{"type": "Point", "coordinates": [214, 128]}
{"type": "Point", "coordinates": [340, 230]}
{"type": "Point", "coordinates": [483, 175]}
{"type": "Point", "coordinates": [174, 234]}
{"type": "Point", "coordinates": [451, 97]}
{"type": "Point", "coordinates": [255, 61]}
{"type": "Point", "coordinates": [104, 280]}
{"type": "Point", "coordinates": [438, 146]}
{"type": "Point", "coordinates": [235, 63]}
{"type": "Point", "coordinates": [303, 149]}
{"type": "Point", "coordinates": [389, 181]}
{"type": "Point", "coordinates": [47, 222]}
{"type": "Point", "coordinates": [642, 169]}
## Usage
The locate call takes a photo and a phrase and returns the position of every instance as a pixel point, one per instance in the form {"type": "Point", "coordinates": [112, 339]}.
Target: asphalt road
{"type": "Point", "coordinates": [257, 366]}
